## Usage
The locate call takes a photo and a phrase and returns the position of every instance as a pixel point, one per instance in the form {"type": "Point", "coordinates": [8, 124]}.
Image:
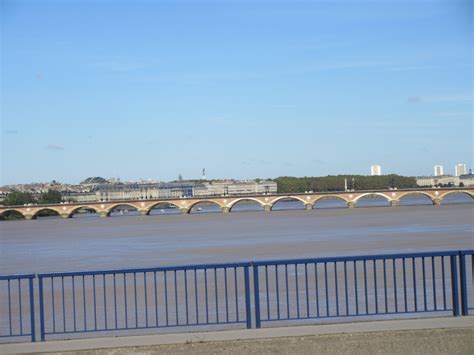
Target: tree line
{"type": "Point", "coordinates": [287, 184]}
{"type": "Point", "coordinates": [17, 198]}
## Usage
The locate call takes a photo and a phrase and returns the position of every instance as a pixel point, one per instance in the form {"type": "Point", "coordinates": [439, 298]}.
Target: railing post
{"type": "Point", "coordinates": [454, 285]}
{"type": "Point", "coordinates": [463, 283]}
{"type": "Point", "coordinates": [32, 311]}
{"type": "Point", "coordinates": [256, 290]}
{"type": "Point", "coordinates": [41, 306]}
{"type": "Point", "coordinates": [247, 297]}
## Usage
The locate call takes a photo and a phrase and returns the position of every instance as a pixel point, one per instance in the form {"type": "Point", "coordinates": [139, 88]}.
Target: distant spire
{"type": "Point", "coordinates": [204, 173]}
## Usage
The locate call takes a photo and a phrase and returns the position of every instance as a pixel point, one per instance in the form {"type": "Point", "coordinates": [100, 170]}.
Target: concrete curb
{"type": "Point", "coordinates": [241, 334]}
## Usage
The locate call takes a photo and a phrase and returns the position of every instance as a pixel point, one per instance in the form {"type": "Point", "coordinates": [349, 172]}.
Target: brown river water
{"type": "Point", "coordinates": [127, 241]}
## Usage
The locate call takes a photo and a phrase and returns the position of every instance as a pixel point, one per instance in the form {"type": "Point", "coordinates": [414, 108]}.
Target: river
{"type": "Point", "coordinates": [125, 241]}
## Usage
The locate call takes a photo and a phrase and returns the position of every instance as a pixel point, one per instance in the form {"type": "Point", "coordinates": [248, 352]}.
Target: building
{"type": "Point", "coordinates": [438, 170]}
{"type": "Point", "coordinates": [375, 170]}
{"type": "Point", "coordinates": [143, 191]}
{"type": "Point", "coordinates": [434, 181]}
{"type": "Point", "coordinates": [460, 169]}
{"type": "Point", "coordinates": [232, 187]}
{"type": "Point", "coordinates": [147, 191]}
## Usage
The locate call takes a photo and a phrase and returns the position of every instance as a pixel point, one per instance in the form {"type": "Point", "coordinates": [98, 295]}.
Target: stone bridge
{"type": "Point", "coordinates": [226, 203]}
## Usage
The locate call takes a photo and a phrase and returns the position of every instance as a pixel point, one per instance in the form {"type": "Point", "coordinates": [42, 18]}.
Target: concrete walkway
{"type": "Point", "coordinates": [243, 334]}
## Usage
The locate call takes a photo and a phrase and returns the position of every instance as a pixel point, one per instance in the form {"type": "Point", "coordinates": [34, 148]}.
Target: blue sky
{"type": "Point", "coordinates": [245, 89]}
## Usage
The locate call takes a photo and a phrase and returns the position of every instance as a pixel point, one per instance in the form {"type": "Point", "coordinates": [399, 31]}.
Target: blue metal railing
{"type": "Point", "coordinates": [356, 286]}
{"type": "Point", "coordinates": [220, 294]}
{"type": "Point", "coordinates": [17, 309]}
{"type": "Point", "coordinates": [81, 302]}
{"type": "Point", "coordinates": [466, 270]}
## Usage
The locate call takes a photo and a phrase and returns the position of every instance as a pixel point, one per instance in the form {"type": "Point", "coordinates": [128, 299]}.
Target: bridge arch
{"type": "Point", "coordinates": [87, 207]}
{"type": "Point", "coordinates": [12, 212]}
{"type": "Point", "coordinates": [43, 212]}
{"type": "Point", "coordinates": [404, 199]}
{"type": "Point", "coordinates": [284, 199]}
{"type": "Point", "coordinates": [254, 201]}
{"type": "Point", "coordinates": [451, 194]}
{"type": "Point", "coordinates": [120, 204]}
{"type": "Point", "coordinates": [330, 197]}
{"type": "Point", "coordinates": [164, 203]}
{"type": "Point", "coordinates": [194, 207]}
{"type": "Point", "coordinates": [377, 195]}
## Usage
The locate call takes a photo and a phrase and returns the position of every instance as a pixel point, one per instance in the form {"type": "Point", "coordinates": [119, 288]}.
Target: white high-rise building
{"type": "Point", "coordinates": [438, 170]}
{"type": "Point", "coordinates": [375, 170]}
{"type": "Point", "coordinates": [460, 169]}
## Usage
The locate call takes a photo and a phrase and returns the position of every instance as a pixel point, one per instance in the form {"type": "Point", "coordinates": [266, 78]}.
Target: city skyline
{"type": "Point", "coordinates": [252, 89]}
{"type": "Point", "coordinates": [375, 170]}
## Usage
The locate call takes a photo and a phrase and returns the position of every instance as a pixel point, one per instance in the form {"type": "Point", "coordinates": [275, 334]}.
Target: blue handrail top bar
{"type": "Point", "coordinates": [17, 276]}
{"type": "Point", "coordinates": [357, 258]}
{"type": "Point", "coordinates": [150, 269]}
{"type": "Point", "coordinates": [244, 264]}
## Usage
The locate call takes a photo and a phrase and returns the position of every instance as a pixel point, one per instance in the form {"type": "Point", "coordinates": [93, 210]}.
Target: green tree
{"type": "Point", "coordinates": [18, 198]}
{"type": "Point", "coordinates": [50, 197]}
{"type": "Point", "coordinates": [289, 184]}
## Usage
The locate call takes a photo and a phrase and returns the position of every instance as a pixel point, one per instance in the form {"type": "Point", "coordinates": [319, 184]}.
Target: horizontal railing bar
{"type": "Point", "coordinates": [358, 315]}
{"type": "Point", "coordinates": [16, 335]}
{"type": "Point", "coordinates": [17, 277]}
{"type": "Point", "coordinates": [243, 264]}
{"type": "Point", "coordinates": [141, 328]}
{"type": "Point", "coordinates": [355, 258]}
{"type": "Point", "coordinates": [140, 270]}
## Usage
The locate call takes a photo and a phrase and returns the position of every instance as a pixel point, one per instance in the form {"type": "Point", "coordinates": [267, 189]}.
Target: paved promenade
{"type": "Point", "coordinates": [428, 335]}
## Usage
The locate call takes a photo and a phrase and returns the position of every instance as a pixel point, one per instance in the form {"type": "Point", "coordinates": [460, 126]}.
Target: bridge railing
{"type": "Point", "coordinates": [223, 296]}
{"type": "Point", "coordinates": [17, 316]}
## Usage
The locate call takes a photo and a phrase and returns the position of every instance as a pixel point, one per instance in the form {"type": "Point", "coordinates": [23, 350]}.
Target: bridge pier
{"type": "Point", "coordinates": [351, 204]}
{"type": "Point", "coordinates": [184, 210]}
{"type": "Point", "coordinates": [225, 209]}
{"type": "Point", "coordinates": [143, 212]}
{"type": "Point", "coordinates": [65, 215]}
{"type": "Point", "coordinates": [103, 214]}
{"type": "Point", "coordinates": [437, 201]}
{"type": "Point", "coordinates": [394, 203]}
{"type": "Point", "coordinates": [308, 206]}
{"type": "Point", "coordinates": [29, 217]}
{"type": "Point", "coordinates": [267, 208]}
